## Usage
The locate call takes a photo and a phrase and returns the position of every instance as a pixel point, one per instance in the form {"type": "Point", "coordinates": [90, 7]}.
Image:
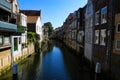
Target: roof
{"type": "Point", "coordinates": [32, 19]}
{"type": "Point", "coordinates": [31, 12]}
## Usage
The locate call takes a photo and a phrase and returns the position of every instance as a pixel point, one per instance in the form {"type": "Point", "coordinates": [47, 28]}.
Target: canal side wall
{"type": "Point", "coordinates": [6, 59]}
{"type": "Point", "coordinates": [24, 52]}
{"type": "Point", "coordinates": [78, 51]}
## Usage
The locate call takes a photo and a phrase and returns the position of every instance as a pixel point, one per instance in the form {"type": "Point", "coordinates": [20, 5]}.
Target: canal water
{"type": "Point", "coordinates": [54, 62]}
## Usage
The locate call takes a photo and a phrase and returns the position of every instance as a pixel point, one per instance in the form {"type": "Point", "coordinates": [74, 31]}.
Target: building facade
{"type": "Point", "coordinates": [88, 51]}
{"type": "Point", "coordinates": [34, 21]}
{"type": "Point", "coordinates": [7, 29]}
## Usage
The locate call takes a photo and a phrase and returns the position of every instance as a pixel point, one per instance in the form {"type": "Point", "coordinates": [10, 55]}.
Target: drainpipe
{"type": "Point", "coordinates": [110, 32]}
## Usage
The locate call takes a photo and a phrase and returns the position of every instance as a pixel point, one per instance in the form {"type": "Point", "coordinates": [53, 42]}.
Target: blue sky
{"type": "Point", "coordinates": [54, 11]}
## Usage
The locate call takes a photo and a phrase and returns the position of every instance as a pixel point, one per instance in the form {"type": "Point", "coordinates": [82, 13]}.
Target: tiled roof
{"type": "Point", "coordinates": [31, 12]}
{"type": "Point", "coordinates": [32, 19]}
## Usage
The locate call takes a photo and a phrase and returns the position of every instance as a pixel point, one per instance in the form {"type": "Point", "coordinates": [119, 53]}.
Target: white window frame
{"type": "Point", "coordinates": [117, 28]}
{"type": "Point", "coordinates": [96, 41]}
{"type": "Point", "coordinates": [116, 45]}
{"type": "Point", "coordinates": [102, 22]}
{"type": "Point", "coordinates": [101, 34]}
{"type": "Point", "coordinates": [1, 38]}
{"type": "Point", "coordinates": [5, 40]}
{"type": "Point", "coordinates": [97, 18]}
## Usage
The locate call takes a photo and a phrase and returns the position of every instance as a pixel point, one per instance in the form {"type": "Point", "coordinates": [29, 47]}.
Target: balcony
{"type": "Point", "coordinates": [5, 5]}
{"type": "Point", "coordinates": [4, 26]}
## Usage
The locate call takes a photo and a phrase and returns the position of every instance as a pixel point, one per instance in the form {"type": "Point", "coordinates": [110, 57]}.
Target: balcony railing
{"type": "Point", "coordinates": [5, 5]}
{"type": "Point", "coordinates": [7, 26]}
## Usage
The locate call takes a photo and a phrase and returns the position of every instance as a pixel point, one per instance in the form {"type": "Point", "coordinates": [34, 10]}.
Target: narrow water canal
{"type": "Point", "coordinates": [55, 62]}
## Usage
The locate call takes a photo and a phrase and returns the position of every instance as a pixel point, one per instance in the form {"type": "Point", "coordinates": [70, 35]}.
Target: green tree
{"type": "Point", "coordinates": [35, 39]}
{"type": "Point", "coordinates": [30, 37]}
{"type": "Point", "coordinates": [50, 27]}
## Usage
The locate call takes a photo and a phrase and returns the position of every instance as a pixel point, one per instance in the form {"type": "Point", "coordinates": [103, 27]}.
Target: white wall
{"type": "Point", "coordinates": [15, 7]}
{"type": "Point", "coordinates": [39, 28]}
{"type": "Point", "coordinates": [89, 31]}
{"type": "Point", "coordinates": [19, 46]}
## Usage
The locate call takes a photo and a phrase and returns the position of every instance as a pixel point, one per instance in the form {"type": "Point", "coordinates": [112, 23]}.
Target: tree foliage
{"type": "Point", "coordinates": [35, 39]}
{"type": "Point", "coordinates": [50, 27]}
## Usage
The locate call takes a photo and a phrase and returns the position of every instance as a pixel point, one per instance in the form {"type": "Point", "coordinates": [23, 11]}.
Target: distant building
{"type": "Point", "coordinates": [45, 32]}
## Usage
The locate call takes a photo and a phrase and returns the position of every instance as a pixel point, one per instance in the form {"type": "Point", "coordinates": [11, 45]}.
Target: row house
{"type": "Point", "coordinates": [94, 30]}
{"type": "Point", "coordinates": [102, 38]}
{"type": "Point", "coordinates": [68, 30]}
{"type": "Point", "coordinates": [101, 35]}
{"type": "Point", "coordinates": [45, 32]}
{"type": "Point", "coordinates": [16, 49]}
{"type": "Point", "coordinates": [13, 33]}
{"type": "Point", "coordinates": [115, 56]}
{"type": "Point", "coordinates": [80, 30]}
{"type": "Point", "coordinates": [33, 21]}
{"type": "Point", "coordinates": [98, 35]}
{"type": "Point", "coordinates": [73, 29]}
{"type": "Point", "coordinates": [7, 29]}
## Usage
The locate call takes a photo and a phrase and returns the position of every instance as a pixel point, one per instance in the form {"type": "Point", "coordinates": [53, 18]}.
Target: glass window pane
{"type": "Point", "coordinates": [15, 44]}
{"type": "Point", "coordinates": [97, 14]}
{"type": "Point", "coordinates": [6, 40]}
{"type": "Point", "coordinates": [96, 40]}
{"type": "Point", "coordinates": [104, 15]}
{"type": "Point", "coordinates": [103, 37]}
{"type": "Point", "coordinates": [1, 41]}
{"type": "Point", "coordinates": [118, 28]}
{"type": "Point", "coordinates": [118, 44]}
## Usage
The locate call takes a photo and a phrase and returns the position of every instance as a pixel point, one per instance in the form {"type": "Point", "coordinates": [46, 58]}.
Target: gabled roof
{"type": "Point", "coordinates": [31, 12]}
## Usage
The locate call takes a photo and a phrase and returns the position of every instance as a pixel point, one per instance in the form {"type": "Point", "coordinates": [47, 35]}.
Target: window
{"type": "Point", "coordinates": [96, 40]}
{"type": "Point", "coordinates": [1, 40]}
{"type": "Point", "coordinates": [16, 8]}
{"type": "Point", "coordinates": [90, 21]}
{"type": "Point", "coordinates": [19, 40]}
{"type": "Point", "coordinates": [104, 15]}
{"type": "Point", "coordinates": [80, 36]}
{"type": "Point", "coordinates": [97, 17]}
{"type": "Point", "coordinates": [6, 40]}
{"type": "Point", "coordinates": [15, 44]}
{"type": "Point", "coordinates": [78, 26]}
{"type": "Point", "coordinates": [118, 44]}
{"type": "Point", "coordinates": [78, 14]}
{"type": "Point", "coordinates": [118, 28]}
{"type": "Point", "coordinates": [103, 37]}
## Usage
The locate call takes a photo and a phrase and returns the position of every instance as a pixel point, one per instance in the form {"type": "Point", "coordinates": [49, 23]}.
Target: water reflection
{"type": "Point", "coordinates": [53, 67]}
{"type": "Point", "coordinates": [55, 62]}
